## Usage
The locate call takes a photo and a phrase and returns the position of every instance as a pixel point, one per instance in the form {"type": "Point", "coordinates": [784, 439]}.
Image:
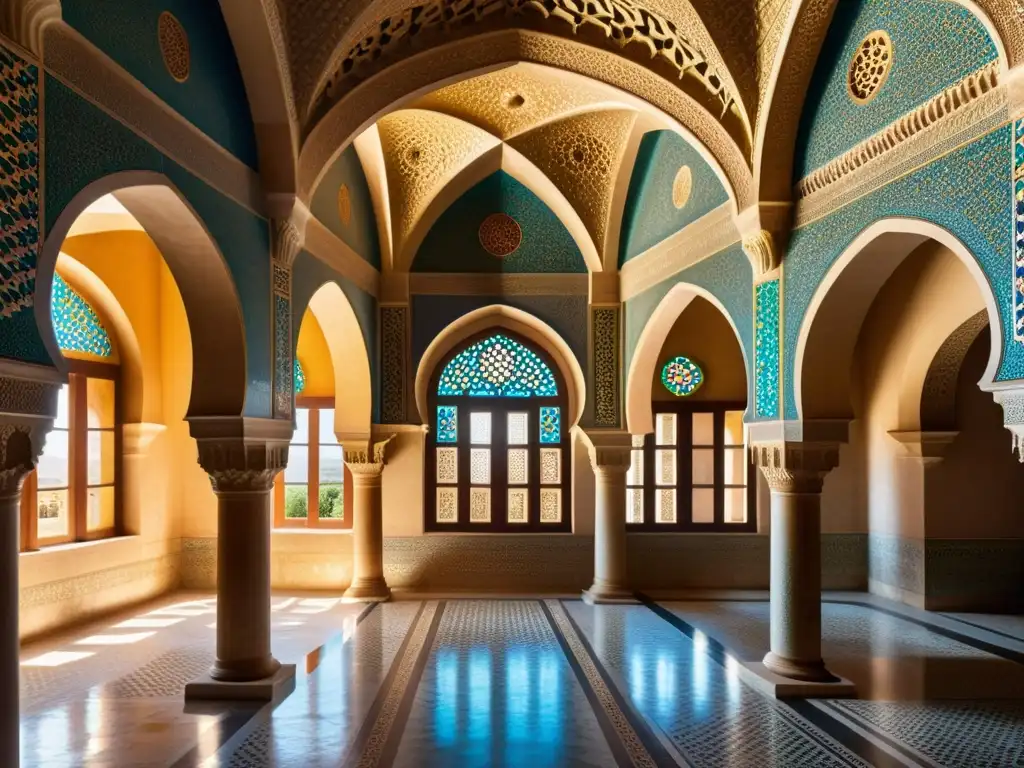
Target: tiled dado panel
{"type": "Point", "coordinates": [948, 574]}
{"type": "Point", "coordinates": [559, 563]}
{"type": "Point", "coordinates": [51, 605]}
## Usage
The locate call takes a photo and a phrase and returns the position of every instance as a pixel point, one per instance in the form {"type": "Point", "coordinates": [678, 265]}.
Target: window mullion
{"type": "Point", "coordinates": [313, 470]}
{"type": "Point", "coordinates": [78, 416]}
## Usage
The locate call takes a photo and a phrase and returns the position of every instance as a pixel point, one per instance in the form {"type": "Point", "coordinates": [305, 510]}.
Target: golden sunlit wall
{"type": "Point", "coordinates": [124, 277]}
{"type": "Point", "coordinates": [315, 358]}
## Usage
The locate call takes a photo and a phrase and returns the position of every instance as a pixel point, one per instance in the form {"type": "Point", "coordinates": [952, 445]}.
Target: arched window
{"type": "Point", "coordinates": [73, 494]}
{"type": "Point", "coordinates": [498, 454]}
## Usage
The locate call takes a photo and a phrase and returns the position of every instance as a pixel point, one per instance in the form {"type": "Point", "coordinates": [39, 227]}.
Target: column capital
{"type": "Point", "coordinates": [1012, 400]}
{"type": "Point", "coordinates": [365, 455]}
{"type": "Point", "coordinates": [288, 231]}
{"type": "Point", "coordinates": [241, 454]}
{"type": "Point", "coordinates": [27, 411]}
{"type": "Point", "coordinates": [764, 229]}
{"type": "Point", "coordinates": [609, 450]}
{"type": "Point", "coordinates": [795, 467]}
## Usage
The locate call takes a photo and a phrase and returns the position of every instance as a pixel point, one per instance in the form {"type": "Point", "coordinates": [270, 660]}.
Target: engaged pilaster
{"type": "Point", "coordinates": [365, 459]}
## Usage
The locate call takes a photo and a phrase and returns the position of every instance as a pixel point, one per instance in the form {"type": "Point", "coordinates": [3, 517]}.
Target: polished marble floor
{"type": "Point", "coordinates": [529, 682]}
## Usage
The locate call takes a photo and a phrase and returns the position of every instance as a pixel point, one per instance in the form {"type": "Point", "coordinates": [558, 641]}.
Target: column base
{"type": "Point", "coordinates": [761, 677]}
{"type": "Point", "coordinates": [274, 688]}
{"type": "Point", "coordinates": [811, 672]}
{"type": "Point", "coordinates": [376, 591]}
{"type": "Point", "coordinates": [609, 596]}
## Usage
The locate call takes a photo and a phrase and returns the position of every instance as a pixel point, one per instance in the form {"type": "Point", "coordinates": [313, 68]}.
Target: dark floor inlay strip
{"type": "Point", "coordinates": [628, 736]}
{"type": "Point", "coordinates": [391, 706]}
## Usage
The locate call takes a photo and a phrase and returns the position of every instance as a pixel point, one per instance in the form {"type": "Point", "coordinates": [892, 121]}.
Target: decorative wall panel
{"type": "Point", "coordinates": [766, 350]}
{"type": "Point", "coordinates": [606, 376]}
{"type": "Point", "coordinates": [19, 195]}
{"type": "Point", "coordinates": [76, 325]}
{"type": "Point", "coordinates": [965, 193]}
{"type": "Point", "coordinates": [360, 230]}
{"type": "Point", "coordinates": [284, 368]}
{"type": "Point", "coordinates": [393, 351]}
{"type": "Point", "coordinates": [1018, 232]}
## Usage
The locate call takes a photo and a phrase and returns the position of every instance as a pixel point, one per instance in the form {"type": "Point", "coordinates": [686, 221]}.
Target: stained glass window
{"type": "Point", "coordinates": [681, 376]}
{"type": "Point", "coordinates": [447, 424]}
{"type": "Point", "coordinates": [497, 367]}
{"type": "Point", "coordinates": [300, 377]}
{"type": "Point", "coordinates": [75, 323]}
{"type": "Point", "coordinates": [551, 424]}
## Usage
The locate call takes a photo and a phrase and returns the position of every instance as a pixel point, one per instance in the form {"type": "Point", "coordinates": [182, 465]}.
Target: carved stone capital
{"type": "Point", "coordinates": [609, 451]}
{"type": "Point", "coordinates": [764, 229]}
{"type": "Point", "coordinates": [760, 249]}
{"type": "Point", "coordinates": [241, 454]}
{"type": "Point", "coordinates": [28, 407]}
{"type": "Point", "coordinates": [366, 455]}
{"type": "Point", "coordinates": [286, 241]}
{"type": "Point", "coordinates": [795, 467]}
{"type": "Point", "coordinates": [24, 20]}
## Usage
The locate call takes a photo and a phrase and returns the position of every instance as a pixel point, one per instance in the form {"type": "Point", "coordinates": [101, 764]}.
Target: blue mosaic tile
{"type": "Point", "coordinates": [766, 350]}
{"type": "Point", "coordinates": [75, 323]}
{"type": "Point", "coordinates": [681, 376]}
{"type": "Point", "coordinates": [497, 367]}
{"type": "Point", "coordinates": [551, 424]}
{"type": "Point", "coordinates": [298, 377]}
{"type": "Point", "coordinates": [964, 193]}
{"type": "Point", "coordinates": [447, 423]}
{"type": "Point", "coordinates": [935, 44]}
{"type": "Point", "coordinates": [1018, 232]}
{"type": "Point", "coordinates": [359, 231]}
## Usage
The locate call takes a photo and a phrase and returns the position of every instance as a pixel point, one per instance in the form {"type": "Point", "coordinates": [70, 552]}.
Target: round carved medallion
{"type": "Point", "coordinates": [500, 235]}
{"type": "Point", "coordinates": [173, 46]}
{"type": "Point", "coordinates": [682, 186]}
{"type": "Point", "coordinates": [870, 66]}
{"type": "Point", "coordinates": [344, 205]}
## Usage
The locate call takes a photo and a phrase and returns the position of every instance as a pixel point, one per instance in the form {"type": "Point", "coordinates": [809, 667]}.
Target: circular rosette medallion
{"type": "Point", "coordinates": [681, 376]}
{"type": "Point", "coordinates": [500, 235]}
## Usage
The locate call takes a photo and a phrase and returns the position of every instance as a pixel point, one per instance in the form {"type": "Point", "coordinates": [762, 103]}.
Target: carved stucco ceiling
{"type": "Point", "coordinates": [516, 99]}
{"type": "Point", "coordinates": [423, 151]}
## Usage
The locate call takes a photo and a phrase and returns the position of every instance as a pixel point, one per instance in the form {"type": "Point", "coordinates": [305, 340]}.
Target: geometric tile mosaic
{"type": "Point", "coordinates": [766, 350]}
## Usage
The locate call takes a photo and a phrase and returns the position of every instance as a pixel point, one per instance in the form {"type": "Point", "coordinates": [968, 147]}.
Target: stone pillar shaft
{"type": "Point", "coordinates": [10, 511]}
{"type": "Point", "coordinates": [243, 586]}
{"type": "Point", "coordinates": [795, 473]}
{"type": "Point", "coordinates": [367, 534]}
{"type": "Point", "coordinates": [609, 456]}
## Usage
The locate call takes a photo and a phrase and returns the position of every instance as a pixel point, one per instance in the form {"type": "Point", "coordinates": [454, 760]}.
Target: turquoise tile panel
{"type": "Point", "coordinates": [650, 215]}
{"type": "Point", "coordinates": [453, 242]}
{"type": "Point", "coordinates": [359, 231]}
{"type": "Point", "coordinates": [965, 193]}
{"type": "Point", "coordinates": [212, 98]}
{"type": "Point", "coordinates": [766, 350]}
{"type": "Point", "coordinates": [935, 42]}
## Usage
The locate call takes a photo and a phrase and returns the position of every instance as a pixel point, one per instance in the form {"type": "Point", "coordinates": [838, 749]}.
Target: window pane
{"type": "Point", "coordinates": [61, 422]}
{"type": "Point", "coordinates": [332, 465]}
{"type": "Point", "coordinates": [635, 505]}
{"type": "Point", "coordinates": [297, 470]}
{"type": "Point", "coordinates": [733, 428]}
{"type": "Point", "coordinates": [518, 505]}
{"type": "Point", "coordinates": [551, 424]}
{"type": "Point", "coordinates": [447, 424]}
{"type": "Point", "coordinates": [480, 466]}
{"type": "Point", "coordinates": [551, 505]}
{"type": "Point", "coordinates": [479, 505]}
{"type": "Point", "coordinates": [703, 505]}
{"type": "Point", "coordinates": [100, 508]}
{"type": "Point", "coordinates": [53, 513]}
{"type": "Point", "coordinates": [703, 466]}
{"type": "Point", "coordinates": [518, 428]}
{"type": "Point", "coordinates": [735, 466]}
{"type": "Point", "coordinates": [447, 505]}
{"type": "Point", "coordinates": [447, 465]}
{"type": "Point", "coordinates": [665, 429]}
{"type": "Point", "coordinates": [735, 505]}
{"type": "Point", "coordinates": [327, 436]}
{"type": "Point", "coordinates": [665, 461]}
{"type": "Point", "coordinates": [53, 463]}
{"type": "Point", "coordinates": [665, 505]}
{"type": "Point", "coordinates": [703, 429]}
{"type": "Point", "coordinates": [331, 504]}
{"type": "Point", "coordinates": [550, 466]}
{"type": "Point", "coordinates": [480, 427]}
{"type": "Point", "coordinates": [518, 466]}
{"type": "Point", "coordinates": [296, 501]}
{"type": "Point", "coordinates": [99, 395]}
{"type": "Point", "coordinates": [638, 441]}
{"type": "Point", "coordinates": [100, 457]}
{"type": "Point", "coordinates": [301, 434]}
{"type": "Point", "coordinates": [636, 468]}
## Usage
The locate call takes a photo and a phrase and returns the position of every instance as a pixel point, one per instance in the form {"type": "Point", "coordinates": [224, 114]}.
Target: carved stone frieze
{"type": "Point", "coordinates": [795, 467]}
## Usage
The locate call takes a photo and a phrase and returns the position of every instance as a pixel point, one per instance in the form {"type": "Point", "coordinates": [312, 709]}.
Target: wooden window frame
{"type": "Point", "coordinates": [499, 408]}
{"type": "Point", "coordinates": [312, 519]}
{"type": "Point", "coordinates": [684, 472]}
{"type": "Point", "coordinates": [79, 371]}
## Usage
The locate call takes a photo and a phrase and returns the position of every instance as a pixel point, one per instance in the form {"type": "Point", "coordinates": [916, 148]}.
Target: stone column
{"type": "Point", "coordinates": [242, 456]}
{"type": "Point", "coordinates": [27, 410]}
{"type": "Point", "coordinates": [795, 473]}
{"type": "Point", "coordinates": [365, 460]}
{"type": "Point", "coordinates": [609, 456]}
